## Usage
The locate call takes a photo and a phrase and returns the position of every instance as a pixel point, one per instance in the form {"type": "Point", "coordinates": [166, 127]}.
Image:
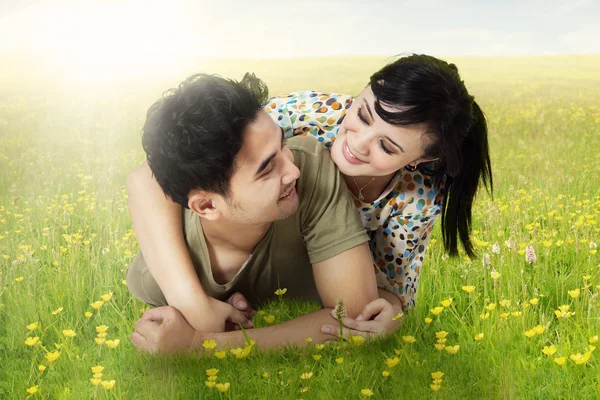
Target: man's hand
{"type": "Point", "coordinates": [385, 319]}
{"type": "Point", "coordinates": [163, 330]}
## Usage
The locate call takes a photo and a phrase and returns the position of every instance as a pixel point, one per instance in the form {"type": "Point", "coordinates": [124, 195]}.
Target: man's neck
{"type": "Point", "coordinates": [233, 236]}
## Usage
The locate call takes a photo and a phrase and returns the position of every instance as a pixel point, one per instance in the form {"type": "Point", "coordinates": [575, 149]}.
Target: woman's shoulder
{"type": "Point", "coordinates": [416, 194]}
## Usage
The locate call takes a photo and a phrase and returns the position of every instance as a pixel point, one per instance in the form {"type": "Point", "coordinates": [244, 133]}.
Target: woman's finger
{"type": "Point", "coordinates": [373, 308]}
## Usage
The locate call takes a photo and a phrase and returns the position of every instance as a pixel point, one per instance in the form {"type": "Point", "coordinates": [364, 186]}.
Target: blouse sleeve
{"type": "Point", "coordinates": [309, 113]}
{"type": "Point", "coordinates": [399, 246]}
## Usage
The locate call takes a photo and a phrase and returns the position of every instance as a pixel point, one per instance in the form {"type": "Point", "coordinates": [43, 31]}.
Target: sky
{"type": "Point", "coordinates": [147, 34]}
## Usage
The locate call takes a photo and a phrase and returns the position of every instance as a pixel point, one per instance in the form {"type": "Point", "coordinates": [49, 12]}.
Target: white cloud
{"type": "Point", "coordinates": [585, 40]}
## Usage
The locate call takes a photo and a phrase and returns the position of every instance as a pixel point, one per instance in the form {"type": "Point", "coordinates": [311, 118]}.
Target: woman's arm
{"type": "Point", "coordinates": [309, 113]}
{"type": "Point", "coordinates": [157, 222]}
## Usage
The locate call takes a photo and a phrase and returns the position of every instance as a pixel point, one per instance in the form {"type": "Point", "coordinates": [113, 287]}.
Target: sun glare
{"type": "Point", "coordinates": [105, 41]}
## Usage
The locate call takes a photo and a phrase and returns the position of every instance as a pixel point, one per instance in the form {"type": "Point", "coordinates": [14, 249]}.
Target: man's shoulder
{"type": "Point", "coordinates": [306, 145]}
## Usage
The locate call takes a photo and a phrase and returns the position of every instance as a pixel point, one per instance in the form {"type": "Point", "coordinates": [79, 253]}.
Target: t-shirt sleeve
{"type": "Point", "coordinates": [329, 221]}
{"type": "Point", "coordinates": [309, 113]}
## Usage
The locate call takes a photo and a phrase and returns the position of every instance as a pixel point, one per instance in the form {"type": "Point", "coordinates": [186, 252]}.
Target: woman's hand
{"type": "Point", "coordinates": [378, 317]}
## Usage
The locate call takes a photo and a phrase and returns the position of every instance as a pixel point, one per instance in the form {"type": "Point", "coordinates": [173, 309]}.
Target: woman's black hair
{"type": "Point", "coordinates": [421, 89]}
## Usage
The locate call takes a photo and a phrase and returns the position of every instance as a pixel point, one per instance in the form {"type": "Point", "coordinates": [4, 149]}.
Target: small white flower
{"type": "Point", "coordinates": [105, 251]}
{"type": "Point", "coordinates": [496, 248]}
{"type": "Point", "coordinates": [593, 245]}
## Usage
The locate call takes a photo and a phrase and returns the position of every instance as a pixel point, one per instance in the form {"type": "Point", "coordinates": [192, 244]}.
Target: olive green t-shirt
{"type": "Point", "coordinates": [325, 225]}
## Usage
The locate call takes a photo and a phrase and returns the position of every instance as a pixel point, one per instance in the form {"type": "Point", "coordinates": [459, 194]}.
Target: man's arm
{"type": "Point", "coordinates": [348, 275]}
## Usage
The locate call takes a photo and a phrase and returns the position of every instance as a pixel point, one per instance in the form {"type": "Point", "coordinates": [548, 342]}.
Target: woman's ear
{"type": "Point", "coordinates": [202, 204]}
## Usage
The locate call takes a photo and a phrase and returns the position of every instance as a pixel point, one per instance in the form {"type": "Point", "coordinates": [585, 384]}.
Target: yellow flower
{"type": "Point", "coordinates": [107, 296]}
{"type": "Point", "coordinates": [269, 319]}
{"type": "Point", "coordinates": [95, 381]}
{"type": "Point", "coordinates": [484, 316]}
{"type": "Point", "coordinates": [210, 384]}
{"type": "Point", "coordinates": [453, 349]}
{"type": "Point", "coordinates": [468, 289]}
{"type": "Point", "coordinates": [549, 350]}
{"type": "Point", "coordinates": [358, 340]}
{"type": "Point", "coordinates": [97, 304]}
{"type": "Point", "coordinates": [108, 384]}
{"type": "Point", "coordinates": [491, 307]}
{"type": "Point", "coordinates": [319, 346]}
{"type": "Point", "coordinates": [442, 340]}
{"type": "Point", "coordinates": [97, 369]}
{"type": "Point", "coordinates": [20, 279]}
{"type": "Point", "coordinates": [439, 346]}
{"type": "Point", "coordinates": [281, 292]}
{"type": "Point", "coordinates": [366, 392]}
{"type": "Point", "coordinates": [574, 293]}
{"type": "Point", "coordinates": [304, 389]}
{"type": "Point", "coordinates": [392, 362]}
{"type": "Point", "coordinates": [437, 375]}
{"type": "Point", "coordinates": [33, 389]}
{"type": "Point", "coordinates": [504, 315]}
{"type": "Point", "coordinates": [33, 326]}
{"type": "Point", "coordinates": [88, 314]}
{"type": "Point", "coordinates": [58, 346]}
{"type": "Point", "coordinates": [212, 372]}
{"type": "Point", "coordinates": [99, 340]}
{"type": "Point", "coordinates": [101, 328]}
{"type": "Point", "coordinates": [446, 303]}
{"type": "Point", "coordinates": [560, 360]}
{"type": "Point", "coordinates": [530, 333]}
{"type": "Point", "coordinates": [58, 310]}
{"type": "Point", "coordinates": [587, 277]}
{"type": "Point", "coordinates": [238, 352]}
{"type": "Point", "coordinates": [102, 335]}
{"type": "Point", "coordinates": [504, 303]}
{"type": "Point", "coordinates": [124, 282]}
{"type": "Point", "coordinates": [220, 354]}
{"type": "Point", "coordinates": [428, 320]}
{"type": "Point", "coordinates": [209, 344]}
{"type": "Point", "coordinates": [437, 310]}
{"type": "Point", "coordinates": [52, 356]}
{"type": "Point", "coordinates": [441, 334]}
{"type": "Point", "coordinates": [306, 375]}
{"type": "Point", "coordinates": [479, 336]}
{"type": "Point", "coordinates": [42, 367]}
{"type": "Point", "coordinates": [579, 358]}
{"type": "Point", "coordinates": [316, 357]}
{"type": "Point", "coordinates": [98, 376]}
{"type": "Point", "coordinates": [534, 301]}
{"type": "Point", "coordinates": [495, 274]}
{"type": "Point", "coordinates": [113, 344]}
{"type": "Point", "coordinates": [385, 374]}
{"type": "Point", "coordinates": [437, 381]}
{"type": "Point", "coordinates": [265, 374]}
{"type": "Point", "coordinates": [409, 339]}
{"type": "Point", "coordinates": [69, 333]}
{"type": "Point", "coordinates": [434, 387]}
{"type": "Point", "coordinates": [593, 339]}
{"type": "Point", "coordinates": [32, 341]}
{"type": "Point", "coordinates": [539, 329]}
{"type": "Point", "coordinates": [516, 313]}
{"type": "Point", "coordinates": [398, 316]}
{"type": "Point", "coordinates": [339, 360]}
{"type": "Point", "coordinates": [308, 340]}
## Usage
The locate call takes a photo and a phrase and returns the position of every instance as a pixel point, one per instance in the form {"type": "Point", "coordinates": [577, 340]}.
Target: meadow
{"type": "Point", "coordinates": [525, 329]}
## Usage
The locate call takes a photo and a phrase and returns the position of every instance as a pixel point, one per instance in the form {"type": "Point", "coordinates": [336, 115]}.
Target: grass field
{"type": "Point", "coordinates": [66, 241]}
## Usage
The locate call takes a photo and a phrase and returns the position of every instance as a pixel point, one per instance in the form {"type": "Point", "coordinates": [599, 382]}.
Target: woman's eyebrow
{"type": "Point", "coordinates": [397, 145]}
{"type": "Point", "coordinates": [369, 110]}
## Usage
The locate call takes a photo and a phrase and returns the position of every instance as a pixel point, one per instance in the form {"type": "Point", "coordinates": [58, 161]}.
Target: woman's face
{"type": "Point", "coordinates": [366, 145]}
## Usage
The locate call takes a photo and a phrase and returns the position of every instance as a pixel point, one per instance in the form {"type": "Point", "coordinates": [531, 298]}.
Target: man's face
{"type": "Point", "coordinates": [262, 188]}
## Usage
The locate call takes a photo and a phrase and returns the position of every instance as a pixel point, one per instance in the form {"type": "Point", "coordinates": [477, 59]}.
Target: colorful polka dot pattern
{"type": "Point", "coordinates": [400, 221]}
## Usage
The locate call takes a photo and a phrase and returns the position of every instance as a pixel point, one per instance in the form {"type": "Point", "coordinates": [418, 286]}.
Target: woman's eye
{"type": "Point", "coordinates": [362, 117]}
{"type": "Point", "coordinates": [384, 148]}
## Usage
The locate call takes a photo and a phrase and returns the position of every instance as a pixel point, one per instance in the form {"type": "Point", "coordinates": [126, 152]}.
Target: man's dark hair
{"type": "Point", "coordinates": [194, 132]}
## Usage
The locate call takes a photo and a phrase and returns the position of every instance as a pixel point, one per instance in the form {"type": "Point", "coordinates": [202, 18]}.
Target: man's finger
{"type": "Point", "coordinates": [238, 301]}
{"type": "Point", "coordinates": [373, 308]}
{"type": "Point", "coordinates": [157, 314]}
{"type": "Point", "coordinates": [139, 341]}
{"type": "Point", "coordinates": [146, 327]}
{"type": "Point", "coordinates": [238, 317]}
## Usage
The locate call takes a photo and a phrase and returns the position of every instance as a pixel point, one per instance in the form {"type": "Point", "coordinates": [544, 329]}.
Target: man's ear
{"type": "Point", "coordinates": [203, 204]}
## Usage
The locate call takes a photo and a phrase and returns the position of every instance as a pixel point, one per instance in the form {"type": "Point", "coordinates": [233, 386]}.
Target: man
{"type": "Point", "coordinates": [258, 215]}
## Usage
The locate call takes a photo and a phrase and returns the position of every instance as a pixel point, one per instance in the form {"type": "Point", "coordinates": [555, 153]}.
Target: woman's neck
{"type": "Point", "coordinates": [370, 187]}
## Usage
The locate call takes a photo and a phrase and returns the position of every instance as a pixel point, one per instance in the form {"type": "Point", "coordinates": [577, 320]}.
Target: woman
{"type": "Point", "coordinates": [412, 146]}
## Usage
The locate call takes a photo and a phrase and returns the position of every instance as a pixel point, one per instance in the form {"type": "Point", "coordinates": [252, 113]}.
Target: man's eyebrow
{"type": "Point", "coordinates": [370, 112]}
{"type": "Point", "coordinates": [266, 162]}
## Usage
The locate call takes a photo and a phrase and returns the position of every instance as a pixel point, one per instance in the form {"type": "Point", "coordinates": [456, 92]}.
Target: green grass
{"type": "Point", "coordinates": [64, 227]}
